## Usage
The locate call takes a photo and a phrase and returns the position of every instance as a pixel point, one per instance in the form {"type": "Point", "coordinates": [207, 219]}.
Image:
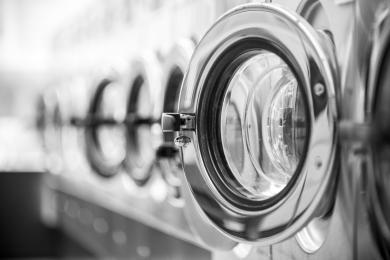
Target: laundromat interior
{"type": "Point", "coordinates": [195, 129]}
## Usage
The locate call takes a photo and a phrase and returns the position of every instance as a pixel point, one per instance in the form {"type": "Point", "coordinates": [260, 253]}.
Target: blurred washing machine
{"type": "Point", "coordinates": [366, 127]}
{"type": "Point", "coordinates": [168, 157]}
{"type": "Point", "coordinates": [50, 119]}
{"type": "Point", "coordinates": [97, 130]}
{"type": "Point", "coordinates": [257, 129]}
{"type": "Point", "coordinates": [191, 20]}
{"type": "Point", "coordinates": [105, 131]}
{"type": "Point", "coordinates": [76, 95]}
{"type": "Point", "coordinates": [144, 81]}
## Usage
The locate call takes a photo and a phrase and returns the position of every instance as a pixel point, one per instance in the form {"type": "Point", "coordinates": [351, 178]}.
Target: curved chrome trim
{"type": "Point", "coordinates": [178, 57]}
{"type": "Point", "coordinates": [312, 237]}
{"type": "Point", "coordinates": [311, 189]}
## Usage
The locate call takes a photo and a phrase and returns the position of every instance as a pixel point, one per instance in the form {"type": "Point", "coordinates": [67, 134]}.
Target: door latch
{"type": "Point", "coordinates": [175, 122]}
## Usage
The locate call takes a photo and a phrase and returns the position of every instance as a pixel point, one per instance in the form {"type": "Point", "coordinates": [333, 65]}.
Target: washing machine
{"type": "Point", "coordinates": [168, 157]}
{"type": "Point", "coordinates": [366, 130]}
{"type": "Point", "coordinates": [144, 81]}
{"type": "Point", "coordinates": [76, 96]}
{"type": "Point", "coordinates": [50, 110]}
{"type": "Point", "coordinates": [95, 131]}
{"type": "Point", "coordinates": [257, 128]}
{"type": "Point", "coordinates": [105, 129]}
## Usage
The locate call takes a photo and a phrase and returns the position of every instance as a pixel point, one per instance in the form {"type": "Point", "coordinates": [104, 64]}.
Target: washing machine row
{"type": "Point", "coordinates": [271, 133]}
{"type": "Point", "coordinates": [108, 123]}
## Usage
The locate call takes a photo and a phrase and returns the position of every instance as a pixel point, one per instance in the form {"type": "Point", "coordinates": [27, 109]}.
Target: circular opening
{"type": "Point", "coordinates": [253, 123]}
{"type": "Point", "coordinates": [141, 152]}
{"type": "Point", "coordinates": [110, 139]}
{"type": "Point", "coordinates": [263, 125]}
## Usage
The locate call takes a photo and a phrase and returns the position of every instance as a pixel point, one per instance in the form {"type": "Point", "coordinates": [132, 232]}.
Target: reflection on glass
{"type": "Point", "coordinates": [264, 126]}
{"type": "Point", "coordinates": [234, 135]}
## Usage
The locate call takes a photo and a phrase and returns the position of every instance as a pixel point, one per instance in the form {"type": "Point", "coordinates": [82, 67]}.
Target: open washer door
{"type": "Point", "coordinates": [257, 127]}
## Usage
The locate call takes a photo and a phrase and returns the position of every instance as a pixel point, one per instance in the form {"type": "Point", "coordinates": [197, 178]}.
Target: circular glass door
{"type": "Point", "coordinates": [264, 126]}
{"type": "Point", "coordinates": [106, 134]}
{"type": "Point", "coordinates": [256, 124]}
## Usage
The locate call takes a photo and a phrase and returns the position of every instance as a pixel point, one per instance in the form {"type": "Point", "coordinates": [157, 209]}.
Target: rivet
{"type": "Point", "coordinates": [319, 89]}
{"type": "Point", "coordinates": [182, 141]}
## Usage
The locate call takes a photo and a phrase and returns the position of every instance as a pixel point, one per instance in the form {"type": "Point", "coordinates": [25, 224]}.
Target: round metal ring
{"type": "Point", "coordinates": [247, 28]}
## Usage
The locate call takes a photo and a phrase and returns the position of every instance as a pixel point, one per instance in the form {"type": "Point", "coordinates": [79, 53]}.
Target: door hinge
{"type": "Point", "coordinates": [175, 122]}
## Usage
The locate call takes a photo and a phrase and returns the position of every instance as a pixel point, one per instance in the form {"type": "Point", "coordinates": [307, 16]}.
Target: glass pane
{"type": "Point", "coordinates": [264, 126]}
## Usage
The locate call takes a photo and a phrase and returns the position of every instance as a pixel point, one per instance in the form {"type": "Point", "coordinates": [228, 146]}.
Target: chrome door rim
{"type": "Point", "coordinates": [218, 39]}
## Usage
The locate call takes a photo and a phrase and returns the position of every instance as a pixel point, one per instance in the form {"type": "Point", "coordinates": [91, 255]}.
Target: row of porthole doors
{"type": "Point", "coordinates": [256, 119]}
{"type": "Point", "coordinates": [120, 123]}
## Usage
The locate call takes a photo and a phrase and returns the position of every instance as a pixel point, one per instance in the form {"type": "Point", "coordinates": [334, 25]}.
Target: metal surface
{"type": "Point", "coordinates": [108, 233]}
{"type": "Point", "coordinates": [312, 237]}
{"type": "Point", "coordinates": [168, 157]}
{"type": "Point", "coordinates": [373, 24]}
{"type": "Point", "coordinates": [329, 210]}
{"type": "Point", "coordinates": [303, 201]}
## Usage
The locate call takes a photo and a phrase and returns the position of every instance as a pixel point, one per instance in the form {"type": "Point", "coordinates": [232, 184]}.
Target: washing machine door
{"type": "Point", "coordinates": [168, 157]}
{"type": "Point", "coordinates": [378, 117]}
{"type": "Point", "coordinates": [256, 124]}
{"type": "Point", "coordinates": [144, 82]}
{"type": "Point", "coordinates": [106, 135]}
